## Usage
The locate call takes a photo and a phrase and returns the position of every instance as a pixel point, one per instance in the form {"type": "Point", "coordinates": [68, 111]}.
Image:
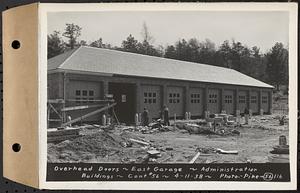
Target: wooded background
{"type": "Point", "coordinates": [270, 67]}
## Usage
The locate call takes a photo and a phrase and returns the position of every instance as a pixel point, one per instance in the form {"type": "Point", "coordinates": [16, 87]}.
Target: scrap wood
{"type": "Point", "coordinates": [56, 101]}
{"type": "Point", "coordinates": [278, 158]}
{"type": "Point", "coordinates": [218, 150]}
{"type": "Point", "coordinates": [52, 107]}
{"type": "Point", "coordinates": [139, 142]}
{"type": "Point", "coordinates": [80, 107]}
{"type": "Point", "coordinates": [60, 132]}
{"type": "Point", "coordinates": [89, 114]}
{"type": "Point", "coordinates": [280, 149]}
{"type": "Point", "coordinates": [167, 159]}
{"type": "Point", "coordinates": [61, 138]}
{"type": "Point", "coordinates": [194, 158]}
{"type": "Point", "coordinates": [153, 152]}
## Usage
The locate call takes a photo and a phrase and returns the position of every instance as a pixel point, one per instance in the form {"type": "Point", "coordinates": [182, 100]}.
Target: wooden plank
{"type": "Point", "coordinates": [139, 142]}
{"type": "Point", "coordinates": [88, 115]}
{"type": "Point", "coordinates": [86, 100]}
{"type": "Point", "coordinates": [54, 120]}
{"type": "Point", "coordinates": [226, 152]}
{"type": "Point", "coordinates": [195, 158]}
{"type": "Point", "coordinates": [80, 107]}
{"type": "Point", "coordinates": [62, 132]}
{"type": "Point", "coordinates": [51, 106]}
{"type": "Point", "coordinates": [56, 101]}
{"type": "Point", "coordinates": [61, 138]}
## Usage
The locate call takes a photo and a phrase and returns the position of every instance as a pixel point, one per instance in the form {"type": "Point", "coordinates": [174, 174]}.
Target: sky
{"type": "Point", "coordinates": [253, 28]}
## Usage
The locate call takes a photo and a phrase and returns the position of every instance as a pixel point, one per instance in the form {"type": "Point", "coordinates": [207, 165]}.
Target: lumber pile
{"type": "Point", "coordinates": [57, 135]}
{"type": "Point", "coordinates": [280, 153]}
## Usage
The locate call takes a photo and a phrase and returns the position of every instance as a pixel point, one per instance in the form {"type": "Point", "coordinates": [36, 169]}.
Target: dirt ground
{"type": "Point", "coordinates": [113, 145]}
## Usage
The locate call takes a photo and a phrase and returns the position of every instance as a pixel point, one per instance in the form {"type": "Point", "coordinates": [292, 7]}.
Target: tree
{"type": "Point", "coordinates": [277, 65]}
{"type": "Point", "coordinates": [170, 52]}
{"type": "Point", "coordinates": [147, 37]}
{"type": "Point", "coordinates": [130, 44]}
{"type": "Point", "coordinates": [55, 44]}
{"type": "Point", "coordinates": [193, 48]}
{"type": "Point", "coordinates": [236, 54]}
{"type": "Point", "coordinates": [146, 47]}
{"type": "Point", "coordinates": [225, 53]}
{"type": "Point", "coordinates": [97, 44]}
{"type": "Point", "coordinates": [83, 43]}
{"type": "Point", "coordinates": [72, 32]}
{"type": "Point", "coordinates": [207, 52]}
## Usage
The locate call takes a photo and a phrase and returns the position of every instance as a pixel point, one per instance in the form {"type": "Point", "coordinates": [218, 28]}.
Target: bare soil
{"type": "Point", "coordinates": [113, 145]}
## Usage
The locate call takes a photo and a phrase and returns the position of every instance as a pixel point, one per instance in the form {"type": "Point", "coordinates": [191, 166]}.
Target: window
{"type": "Point", "coordinates": [78, 92]}
{"type": "Point", "coordinates": [91, 93]}
{"type": "Point", "coordinates": [174, 98]}
{"type": "Point", "coordinates": [212, 98]}
{"type": "Point", "coordinates": [150, 97]}
{"type": "Point", "coordinates": [84, 96]}
{"type": "Point", "coordinates": [264, 99]}
{"type": "Point", "coordinates": [253, 99]}
{"type": "Point", "coordinates": [228, 99]}
{"type": "Point", "coordinates": [195, 98]}
{"type": "Point", "coordinates": [242, 99]}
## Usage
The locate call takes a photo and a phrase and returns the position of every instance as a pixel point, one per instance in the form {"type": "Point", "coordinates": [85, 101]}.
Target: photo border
{"type": "Point", "coordinates": [187, 185]}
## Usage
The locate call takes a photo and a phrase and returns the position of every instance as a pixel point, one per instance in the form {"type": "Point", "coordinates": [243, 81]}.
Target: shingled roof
{"type": "Point", "coordinates": [99, 60]}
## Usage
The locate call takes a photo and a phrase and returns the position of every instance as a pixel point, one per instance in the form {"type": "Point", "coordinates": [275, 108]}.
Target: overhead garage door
{"type": "Point", "coordinates": [151, 100]}
{"type": "Point", "coordinates": [242, 100]}
{"type": "Point", "coordinates": [265, 101]}
{"type": "Point", "coordinates": [254, 101]}
{"type": "Point", "coordinates": [83, 92]}
{"type": "Point", "coordinates": [229, 101]}
{"type": "Point", "coordinates": [196, 101]}
{"type": "Point", "coordinates": [175, 101]}
{"type": "Point", "coordinates": [214, 101]}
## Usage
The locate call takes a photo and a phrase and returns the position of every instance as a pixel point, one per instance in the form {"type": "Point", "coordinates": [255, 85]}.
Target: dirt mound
{"type": "Point", "coordinates": [87, 147]}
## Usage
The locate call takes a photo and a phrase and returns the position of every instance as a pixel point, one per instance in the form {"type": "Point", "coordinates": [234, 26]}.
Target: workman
{"type": "Point", "coordinates": [246, 114]}
{"type": "Point", "coordinates": [145, 117]}
{"type": "Point", "coordinates": [166, 116]}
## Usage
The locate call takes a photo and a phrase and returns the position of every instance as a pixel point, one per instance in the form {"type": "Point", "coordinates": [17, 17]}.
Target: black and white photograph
{"type": "Point", "coordinates": [168, 87]}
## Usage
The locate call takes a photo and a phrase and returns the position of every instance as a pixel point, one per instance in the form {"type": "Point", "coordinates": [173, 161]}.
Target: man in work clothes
{"type": "Point", "coordinates": [246, 114]}
{"type": "Point", "coordinates": [166, 116]}
{"type": "Point", "coordinates": [145, 117]}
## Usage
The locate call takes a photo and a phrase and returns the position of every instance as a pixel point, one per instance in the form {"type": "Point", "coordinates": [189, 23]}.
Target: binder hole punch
{"type": "Point", "coordinates": [16, 44]}
{"type": "Point", "coordinates": [16, 147]}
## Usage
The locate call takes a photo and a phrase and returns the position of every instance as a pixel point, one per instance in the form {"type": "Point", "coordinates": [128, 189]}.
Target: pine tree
{"type": "Point", "coordinates": [72, 32]}
{"type": "Point", "coordinates": [55, 44]}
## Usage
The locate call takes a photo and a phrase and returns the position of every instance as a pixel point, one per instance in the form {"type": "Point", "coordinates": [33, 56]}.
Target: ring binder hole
{"type": "Point", "coordinates": [16, 147]}
{"type": "Point", "coordinates": [15, 44]}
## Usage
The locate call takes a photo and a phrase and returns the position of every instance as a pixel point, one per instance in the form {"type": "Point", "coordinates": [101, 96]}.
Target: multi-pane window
{"type": "Point", "coordinates": [253, 99]}
{"type": "Point", "coordinates": [212, 98]}
{"type": "Point", "coordinates": [242, 99]}
{"type": "Point", "coordinates": [174, 98]}
{"type": "Point", "coordinates": [195, 98]}
{"type": "Point", "coordinates": [150, 97]}
{"type": "Point", "coordinates": [84, 96]}
{"type": "Point", "coordinates": [264, 99]}
{"type": "Point", "coordinates": [228, 99]}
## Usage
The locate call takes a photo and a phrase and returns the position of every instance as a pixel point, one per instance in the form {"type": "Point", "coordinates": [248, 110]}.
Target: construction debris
{"type": "Point", "coordinates": [207, 130]}
{"type": "Point", "coordinates": [218, 150]}
{"type": "Point", "coordinates": [157, 143]}
{"type": "Point", "coordinates": [89, 114]}
{"type": "Point", "coordinates": [195, 157]}
{"type": "Point", "coordinates": [57, 135]}
{"type": "Point", "coordinates": [140, 142]}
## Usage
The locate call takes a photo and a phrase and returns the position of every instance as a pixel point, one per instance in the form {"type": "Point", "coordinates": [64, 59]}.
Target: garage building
{"type": "Point", "coordinates": [86, 74]}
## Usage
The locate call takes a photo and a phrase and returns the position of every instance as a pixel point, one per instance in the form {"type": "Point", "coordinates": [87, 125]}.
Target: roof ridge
{"type": "Point", "coordinates": [76, 50]}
